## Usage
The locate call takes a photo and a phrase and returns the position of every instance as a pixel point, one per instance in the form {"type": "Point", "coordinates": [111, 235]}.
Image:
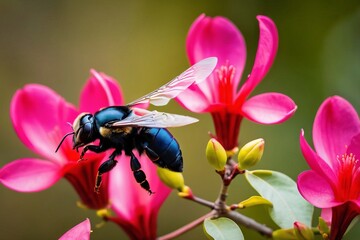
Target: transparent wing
{"type": "Point", "coordinates": [154, 119]}
{"type": "Point", "coordinates": [195, 74]}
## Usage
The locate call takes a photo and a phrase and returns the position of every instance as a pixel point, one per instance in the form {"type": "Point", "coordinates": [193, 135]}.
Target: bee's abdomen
{"type": "Point", "coordinates": [162, 142]}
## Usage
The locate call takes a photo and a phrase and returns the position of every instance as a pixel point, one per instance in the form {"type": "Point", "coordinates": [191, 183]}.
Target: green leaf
{"type": "Point", "coordinates": [288, 204]}
{"type": "Point", "coordinates": [222, 229]}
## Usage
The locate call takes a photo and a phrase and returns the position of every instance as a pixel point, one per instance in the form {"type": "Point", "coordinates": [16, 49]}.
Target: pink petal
{"type": "Point", "coordinates": [335, 124]}
{"type": "Point", "coordinates": [354, 148]}
{"type": "Point", "coordinates": [40, 117]}
{"type": "Point", "coordinates": [79, 232]}
{"type": "Point", "coordinates": [269, 108]}
{"type": "Point", "coordinates": [315, 162]}
{"type": "Point", "coordinates": [30, 175]}
{"type": "Point", "coordinates": [194, 100]}
{"type": "Point", "coordinates": [326, 214]}
{"type": "Point", "coordinates": [136, 210]}
{"type": "Point", "coordinates": [316, 190]}
{"type": "Point", "coordinates": [126, 195]}
{"type": "Point", "coordinates": [100, 91]}
{"type": "Point", "coordinates": [216, 37]}
{"type": "Point", "coordinates": [265, 55]}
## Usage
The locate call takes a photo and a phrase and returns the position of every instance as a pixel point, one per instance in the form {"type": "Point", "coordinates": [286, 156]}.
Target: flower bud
{"type": "Point", "coordinates": [254, 201]}
{"type": "Point", "coordinates": [174, 180]}
{"type": "Point", "coordinates": [303, 232]}
{"type": "Point", "coordinates": [186, 192]}
{"type": "Point", "coordinates": [284, 234]}
{"type": "Point", "coordinates": [216, 154]}
{"type": "Point", "coordinates": [251, 153]}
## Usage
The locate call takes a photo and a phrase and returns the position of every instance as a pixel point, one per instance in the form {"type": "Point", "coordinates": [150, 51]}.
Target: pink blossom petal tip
{"type": "Point", "coordinates": [79, 232]}
{"type": "Point", "coordinates": [29, 175]}
{"type": "Point", "coordinates": [269, 108]}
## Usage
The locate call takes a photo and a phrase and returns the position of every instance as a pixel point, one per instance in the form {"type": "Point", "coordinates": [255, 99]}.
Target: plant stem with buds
{"type": "Point", "coordinates": [219, 207]}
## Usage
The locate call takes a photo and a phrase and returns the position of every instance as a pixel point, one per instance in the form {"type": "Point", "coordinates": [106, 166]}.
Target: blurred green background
{"type": "Point", "coordinates": [142, 44]}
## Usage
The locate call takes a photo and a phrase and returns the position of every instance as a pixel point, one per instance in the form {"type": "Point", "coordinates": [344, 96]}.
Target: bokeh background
{"type": "Point", "coordinates": [142, 44]}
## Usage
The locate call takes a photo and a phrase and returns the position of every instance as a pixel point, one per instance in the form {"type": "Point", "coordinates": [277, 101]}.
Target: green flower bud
{"type": "Point", "coordinates": [174, 180]}
{"type": "Point", "coordinates": [303, 232]}
{"type": "Point", "coordinates": [186, 193]}
{"type": "Point", "coordinates": [251, 153]}
{"type": "Point", "coordinates": [254, 201]}
{"type": "Point", "coordinates": [216, 154]}
{"type": "Point", "coordinates": [284, 234]}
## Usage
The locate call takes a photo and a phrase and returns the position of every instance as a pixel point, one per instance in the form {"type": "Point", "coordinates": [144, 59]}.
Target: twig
{"type": "Point", "coordinates": [187, 227]}
{"type": "Point", "coordinates": [203, 202]}
{"type": "Point", "coordinates": [249, 223]}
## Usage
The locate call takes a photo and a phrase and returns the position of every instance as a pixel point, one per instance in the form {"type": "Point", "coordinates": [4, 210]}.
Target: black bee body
{"type": "Point", "coordinates": [162, 142]}
{"type": "Point", "coordinates": [158, 143]}
{"type": "Point", "coordinates": [128, 128]}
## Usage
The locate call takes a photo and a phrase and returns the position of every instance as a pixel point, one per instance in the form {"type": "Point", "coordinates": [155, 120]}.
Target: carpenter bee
{"type": "Point", "coordinates": [127, 128]}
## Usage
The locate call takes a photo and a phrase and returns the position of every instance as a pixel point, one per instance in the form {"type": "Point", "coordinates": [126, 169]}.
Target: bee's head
{"type": "Point", "coordinates": [83, 127]}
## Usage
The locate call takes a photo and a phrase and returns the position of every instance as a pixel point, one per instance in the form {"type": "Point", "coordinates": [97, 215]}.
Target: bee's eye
{"type": "Point", "coordinates": [84, 133]}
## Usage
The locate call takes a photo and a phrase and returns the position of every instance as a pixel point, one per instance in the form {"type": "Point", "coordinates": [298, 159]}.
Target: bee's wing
{"type": "Point", "coordinates": [195, 74]}
{"type": "Point", "coordinates": [154, 119]}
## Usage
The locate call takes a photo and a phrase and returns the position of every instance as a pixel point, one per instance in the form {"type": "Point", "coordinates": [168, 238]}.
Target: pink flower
{"type": "Point", "coordinates": [219, 95]}
{"type": "Point", "coordinates": [136, 211]}
{"type": "Point", "coordinates": [40, 117]}
{"type": "Point", "coordinates": [79, 232]}
{"type": "Point", "coordinates": [334, 179]}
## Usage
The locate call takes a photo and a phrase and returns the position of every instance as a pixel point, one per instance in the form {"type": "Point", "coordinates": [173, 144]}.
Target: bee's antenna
{"type": "Point", "coordinates": [62, 140]}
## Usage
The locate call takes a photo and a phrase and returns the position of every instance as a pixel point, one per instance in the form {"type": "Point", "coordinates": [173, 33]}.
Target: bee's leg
{"type": "Point", "coordinates": [97, 149]}
{"type": "Point", "coordinates": [139, 174]}
{"type": "Point", "coordinates": [105, 167]}
{"type": "Point", "coordinates": [154, 157]}
{"type": "Point", "coordinates": [151, 154]}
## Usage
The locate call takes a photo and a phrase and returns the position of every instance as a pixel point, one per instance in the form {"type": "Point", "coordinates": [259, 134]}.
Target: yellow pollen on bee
{"type": "Point", "coordinates": [125, 130]}
{"type": "Point", "coordinates": [107, 132]}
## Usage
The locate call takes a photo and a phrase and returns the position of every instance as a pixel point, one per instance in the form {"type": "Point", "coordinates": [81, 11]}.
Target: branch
{"type": "Point", "coordinates": [187, 227]}
{"type": "Point", "coordinates": [249, 223]}
{"type": "Point", "coordinates": [203, 202]}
